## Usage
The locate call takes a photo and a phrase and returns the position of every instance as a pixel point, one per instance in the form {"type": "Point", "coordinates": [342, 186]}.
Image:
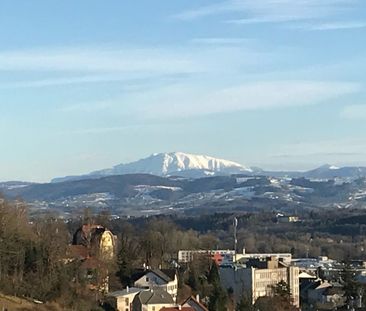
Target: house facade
{"type": "Point", "coordinates": [122, 300]}
{"type": "Point", "coordinates": [166, 280]}
{"type": "Point", "coordinates": [152, 300]}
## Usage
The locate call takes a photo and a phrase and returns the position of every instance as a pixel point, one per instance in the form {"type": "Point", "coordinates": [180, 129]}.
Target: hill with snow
{"type": "Point", "coordinates": [331, 171]}
{"type": "Point", "coordinates": [167, 164]}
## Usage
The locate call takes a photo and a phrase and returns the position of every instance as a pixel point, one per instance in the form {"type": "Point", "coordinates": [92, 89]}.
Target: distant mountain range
{"type": "Point", "coordinates": [331, 171]}
{"type": "Point", "coordinates": [182, 182]}
{"type": "Point", "coordinates": [146, 194]}
{"type": "Point", "coordinates": [197, 166]}
{"type": "Point", "coordinates": [170, 164]}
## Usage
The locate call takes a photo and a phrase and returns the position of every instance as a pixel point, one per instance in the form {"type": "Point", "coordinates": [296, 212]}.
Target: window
{"type": "Point", "coordinates": [153, 308]}
{"type": "Point", "coordinates": [147, 279]}
{"type": "Point", "coordinates": [127, 301]}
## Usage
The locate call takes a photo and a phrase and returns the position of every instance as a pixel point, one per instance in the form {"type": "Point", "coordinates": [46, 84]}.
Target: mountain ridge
{"type": "Point", "coordinates": [189, 165]}
{"type": "Point", "coordinates": [169, 163]}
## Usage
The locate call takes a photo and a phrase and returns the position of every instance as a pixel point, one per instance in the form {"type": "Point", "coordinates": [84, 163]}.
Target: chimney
{"type": "Point", "coordinates": [179, 307]}
{"type": "Point", "coordinates": [127, 289]}
{"type": "Point", "coordinates": [198, 297]}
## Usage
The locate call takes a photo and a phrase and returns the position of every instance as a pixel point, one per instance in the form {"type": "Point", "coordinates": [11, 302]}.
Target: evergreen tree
{"type": "Point", "coordinates": [245, 304]}
{"type": "Point", "coordinates": [218, 297]}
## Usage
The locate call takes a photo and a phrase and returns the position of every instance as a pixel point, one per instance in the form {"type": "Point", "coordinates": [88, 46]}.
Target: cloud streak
{"type": "Point", "coordinates": [180, 101]}
{"type": "Point", "coordinates": [115, 60]}
{"type": "Point", "coordinates": [270, 11]}
{"type": "Point", "coordinates": [221, 41]}
{"type": "Point", "coordinates": [67, 66]}
{"type": "Point", "coordinates": [332, 26]}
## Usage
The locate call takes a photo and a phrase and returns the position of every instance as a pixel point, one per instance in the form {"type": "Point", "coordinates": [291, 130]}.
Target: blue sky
{"type": "Point", "coordinates": [88, 84]}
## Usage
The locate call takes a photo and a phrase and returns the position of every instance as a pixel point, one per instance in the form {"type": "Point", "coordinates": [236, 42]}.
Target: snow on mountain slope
{"type": "Point", "coordinates": [172, 163]}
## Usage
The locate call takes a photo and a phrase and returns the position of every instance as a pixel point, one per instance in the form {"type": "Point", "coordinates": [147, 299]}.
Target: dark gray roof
{"type": "Point", "coordinates": [155, 296]}
{"type": "Point", "coordinates": [166, 275]}
{"type": "Point", "coordinates": [131, 290]}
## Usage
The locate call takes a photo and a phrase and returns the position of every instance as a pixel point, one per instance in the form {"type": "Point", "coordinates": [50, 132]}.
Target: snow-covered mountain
{"type": "Point", "coordinates": [172, 163]}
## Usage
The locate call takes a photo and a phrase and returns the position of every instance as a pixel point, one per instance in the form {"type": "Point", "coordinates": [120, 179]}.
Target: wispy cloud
{"type": "Point", "coordinates": [180, 101]}
{"type": "Point", "coordinates": [332, 26]}
{"type": "Point", "coordinates": [103, 130]}
{"type": "Point", "coordinates": [131, 82]}
{"type": "Point", "coordinates": [221, 41]}
{"type": "Point", "coordinates": [116, 60]}
{"type": "Point", "coordinates": [66, 66]}
{"type": "Point", "coordinates": [88, 107]}
{"type": "Point", "coordinates": [69, 80]}
{"type": "Point", "coordinates": [271, 11]}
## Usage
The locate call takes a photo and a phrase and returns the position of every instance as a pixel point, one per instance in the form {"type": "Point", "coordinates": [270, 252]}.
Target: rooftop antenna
{"type": "Point", "coordinates": [235, 224]}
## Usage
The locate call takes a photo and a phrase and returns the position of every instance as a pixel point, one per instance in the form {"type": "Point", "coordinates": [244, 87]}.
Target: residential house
{"type": "Point", "coordinates": [194, 303]}
{"type": "Point", "coordinates": [99, 241]}
{"type": "Point", "coordinates": [152, 300]}
{"type": "Point", "coordinates": [93, 246]}
{"type": "Point", "coordinates": [122, 300]}
{"type": "Point", "coordinates": [165, 279]}
{"type": "Point", "coordinates": [324, 294]}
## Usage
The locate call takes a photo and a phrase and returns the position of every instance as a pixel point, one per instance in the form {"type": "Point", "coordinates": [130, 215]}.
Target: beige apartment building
{"type": "Point", "coordinates": [258, 277]}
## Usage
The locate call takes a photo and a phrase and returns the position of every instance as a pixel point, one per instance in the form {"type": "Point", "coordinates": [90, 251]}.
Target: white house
{"type": "Point", "coordinates": [122, 300]}
{"type": "Point", "coordinates": [152, 300]}
{"type": "Point", "coordinates": [162, 279]}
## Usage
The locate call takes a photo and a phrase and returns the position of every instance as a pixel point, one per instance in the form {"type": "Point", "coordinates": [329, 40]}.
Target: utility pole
{"type": "Point", "coordinates": [235, 224]}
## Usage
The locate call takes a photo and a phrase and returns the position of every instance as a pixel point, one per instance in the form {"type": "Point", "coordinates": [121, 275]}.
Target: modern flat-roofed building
{"type": "Point", "coordinates": [228, 256]}
{"type": "Point", "coordinates": [221, 257]}
{"type": "Point", "coordinates": [286, 258]}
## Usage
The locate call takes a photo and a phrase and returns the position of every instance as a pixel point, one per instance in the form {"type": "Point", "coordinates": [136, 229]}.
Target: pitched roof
{"type": "Point", "coordinates": [167, 275]}
{"type": "Point", "coordinates": [192, 300]}
{"type": "Point", "coordinates": [155, 296]}
{"type": "Point", "coordinates": [304, 275]}
{"type": "Point", "coordinates": [130, 290]}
